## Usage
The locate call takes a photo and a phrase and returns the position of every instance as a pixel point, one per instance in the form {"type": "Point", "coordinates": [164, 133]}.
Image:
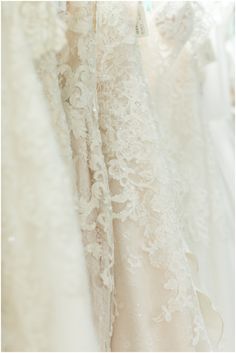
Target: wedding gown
{"type": "Point", "coordinates": [77, 78]}
{"type": "Point", "coordinates": [102, 82]}
{"type": "Point", "coordinates": [85, 142]}
{"type": "Point", "coordinates": [177, 56]}
{"type": "Point", "coordinates": [218, 112]}
{"type": "Point", "coordinates": [45, 297]}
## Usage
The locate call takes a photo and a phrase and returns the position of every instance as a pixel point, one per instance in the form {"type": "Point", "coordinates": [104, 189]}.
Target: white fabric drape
{"type": "Point", "coordinates": [117, 206]}
{"type": "Point", "coordinates": [46, 301]}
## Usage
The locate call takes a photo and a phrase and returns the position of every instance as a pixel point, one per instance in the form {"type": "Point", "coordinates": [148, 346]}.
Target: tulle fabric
{"type": "Point", "coordinates": [45, 296]}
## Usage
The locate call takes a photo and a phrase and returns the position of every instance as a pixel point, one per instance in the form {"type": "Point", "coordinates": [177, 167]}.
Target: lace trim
{"type": "Point", "coordinates": [77, 78]}
{"type": "Point", "coordinates": [139, 181]}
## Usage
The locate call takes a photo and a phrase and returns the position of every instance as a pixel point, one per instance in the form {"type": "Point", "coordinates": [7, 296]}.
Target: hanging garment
{"type": "Point", "coordinates": [46, 301]}
{"type": "Point", "coordinates": [149, 246]}
{"type": "Point", "coordinates": [175, 63]}
{"type": "Point", "coordinates": [218, 111]}
{"type": "Point", "coordinates": [106, 103]}
{"type": "Point", "coordinates": [77, 77]}
{"type": "Point", "coordinates": [111, 215]}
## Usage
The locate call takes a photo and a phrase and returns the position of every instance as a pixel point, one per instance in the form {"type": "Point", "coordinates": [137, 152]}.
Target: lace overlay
{"type": "Point", "coordinates": [149, 249]}
{"type": "Point", "coordinates": [176, 92]}
{"type": "Point", "coordinates": [180, 24]}
{"type": "Point", "coordinates": [77, 77]}
{"type": "Point", "coordinates": [88, 136]}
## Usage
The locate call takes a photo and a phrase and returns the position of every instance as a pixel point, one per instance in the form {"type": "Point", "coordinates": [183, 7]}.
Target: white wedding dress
{"type": "Point", "coordinates": [105, 155]}
{"type": "Point", "coordinates": [45, 297]}
{"type": "Point", "coordinates": [219, 113]}
{"type": "Point", "coordinates": [106, 103]}
{"type": "Point", "coordinates": [177, 56]}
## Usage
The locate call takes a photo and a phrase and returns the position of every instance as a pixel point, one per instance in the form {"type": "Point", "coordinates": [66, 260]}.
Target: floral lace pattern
{"type": "Point", "coordinates": [97, 154]}
{"type": "Point", "coordinates": [176, 92]}
{"type": "Point", "coordinates": [149, 250]}
{"type": "Point", "coordinates": [77, 77]}
{"type": "Point", "coordinates": [184, 132]}
{"type": "Point", "coordinates": [180, 24]}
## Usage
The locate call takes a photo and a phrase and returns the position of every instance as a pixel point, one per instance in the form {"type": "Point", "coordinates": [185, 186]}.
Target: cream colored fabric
{"type": "Point", "coordinates": [102, 82]}
{"type": "Point", "coordinates": [185, 112]}
{"type": "Point", "coordinates": [46, 301]}
{"type": "Point", "coordinates": [77, 77]}
{"type": "Point", "coordinates": [94, 164]}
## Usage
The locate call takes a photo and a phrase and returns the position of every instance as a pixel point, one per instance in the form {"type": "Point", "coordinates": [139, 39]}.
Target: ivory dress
{"type": "Point", "coordinates": [93, 168]}
{"type": "Point", "coordinates": [178, 57]}
{"type": "Point", "coordinates": [45, 295]}
{"type": "Point", "coordinates": [154, 295]}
